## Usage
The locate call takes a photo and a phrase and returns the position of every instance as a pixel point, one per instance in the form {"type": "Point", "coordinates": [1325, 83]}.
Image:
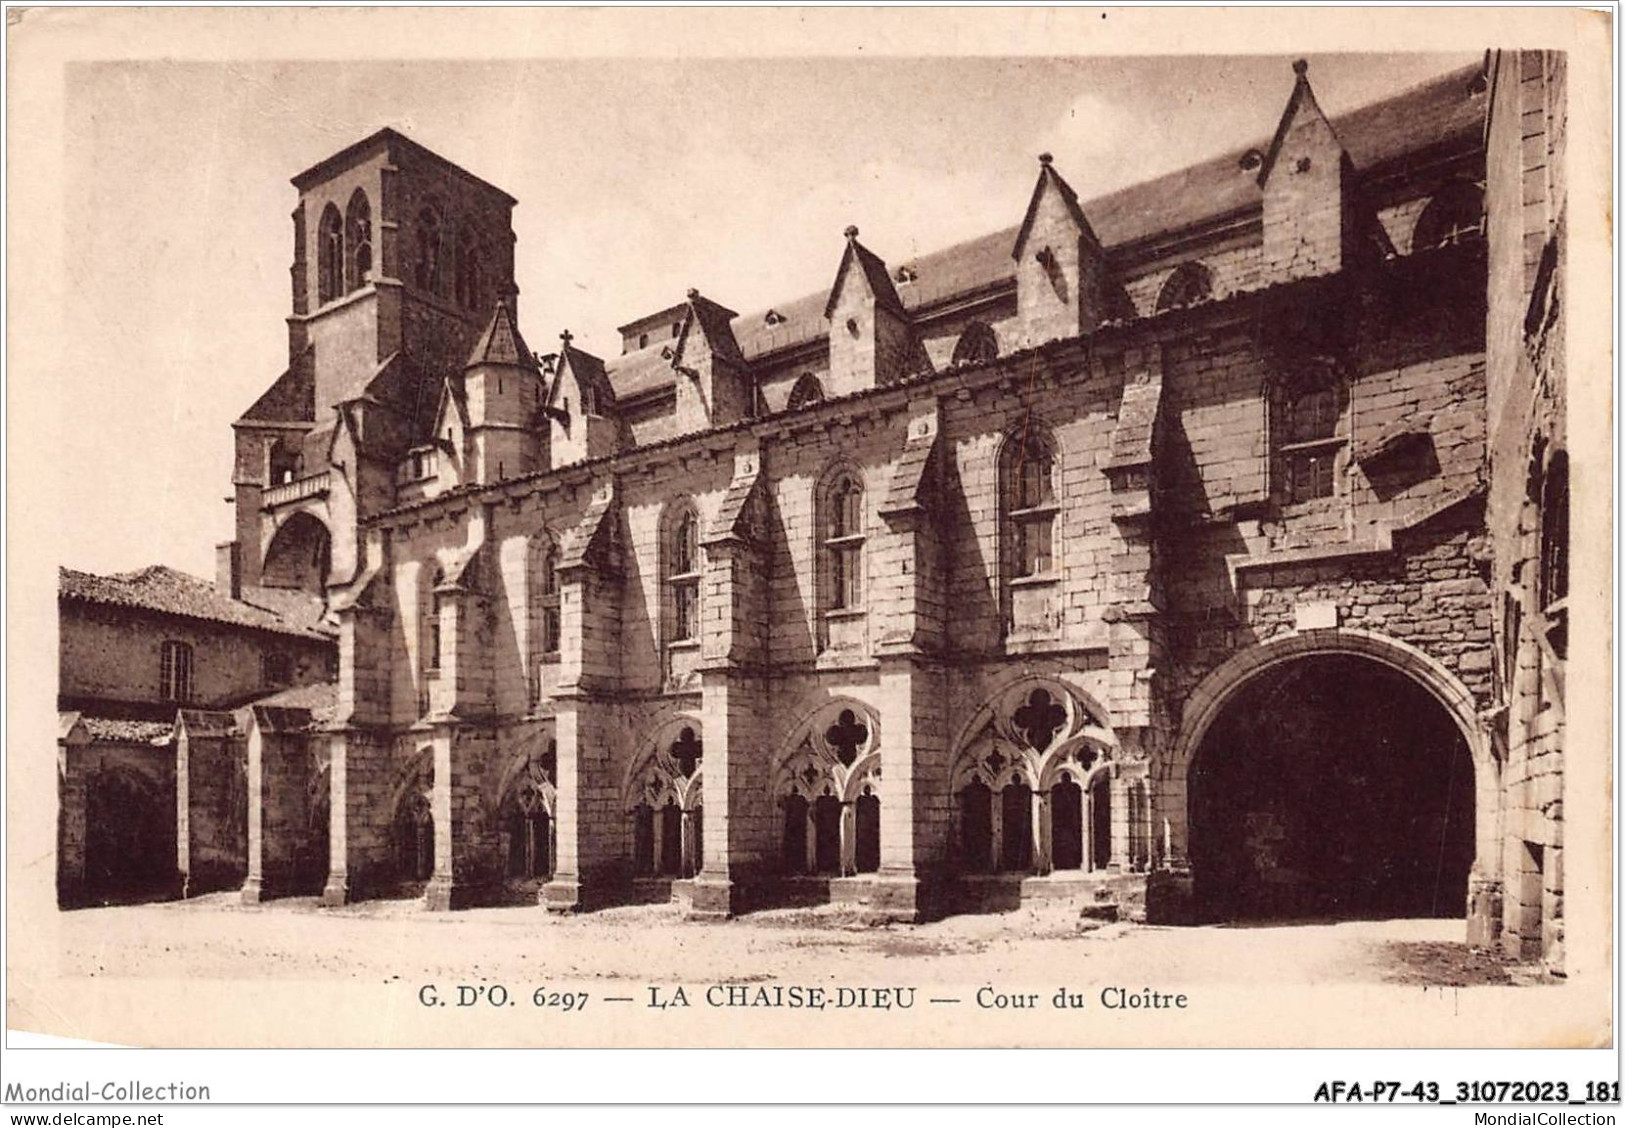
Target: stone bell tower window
{"type": "Point", "coordinates": [358, 225]}
{"type": "Point", "coordinates": [330, 256]}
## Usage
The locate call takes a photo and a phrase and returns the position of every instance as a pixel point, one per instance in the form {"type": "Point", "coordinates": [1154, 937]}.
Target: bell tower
{"type": "Point", "coordinates": [399, 257]}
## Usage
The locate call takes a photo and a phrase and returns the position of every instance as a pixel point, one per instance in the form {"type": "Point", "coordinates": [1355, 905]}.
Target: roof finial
{"type": "Point", "coordinates": [852, 231]}
{"type": "Point", "coordinates": [693, 293]}
{"type": "Point", "coordinates": [1045, 159]}
{"type": "Point", "coordinates": [1300, 67]}
{"type": "Point", "coordinates": [567, 337]}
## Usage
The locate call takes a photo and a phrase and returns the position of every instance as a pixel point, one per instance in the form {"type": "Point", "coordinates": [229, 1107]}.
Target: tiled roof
{"type": "Point", "coordinates": [291, 398]}
{"type": "Point", "coordinates": [163, 589]}
{"type": "Point", "coordinates": [115, 730]}
{"type": "Point", "coordinates": [640, 372]}
{"type": "Point", "coordinates": [1434, 113]}
{"type": "Point", "coordinates": [321, 699]}
{"type": "Point", "coordinates": [874, 272]}
{"type": "Point", "coordinates": [590, 371]}
{"type": "Point", "coordinates": [501, 343]}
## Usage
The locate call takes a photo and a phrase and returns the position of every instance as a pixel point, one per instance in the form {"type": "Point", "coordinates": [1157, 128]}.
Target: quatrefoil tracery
{"type": "Point", "coordinates": [1033, 735]}
{"type": "Point", "coordinates": [837, 756]}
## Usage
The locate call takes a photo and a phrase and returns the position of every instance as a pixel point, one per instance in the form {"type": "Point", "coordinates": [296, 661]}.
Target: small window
{"type": "Point", "coordinates": [433, 644]}
{"type": "Point", "coordinates": [468, 292]}
{"type": "Point", "coordinates": [428, 273]}
{"type": "Point", "coordinates": [543, 577]}
{"type": "Point", "coordinates": [843, 544]}
{"type": "Point", "coordinates": [806, 391]}
{"type": "Point", "coordinates": [976, 344]}
{"type": "Point", "coordinates": [276, 668]}
{"type": "Point", "coordinates": [175, 672]}
{"type": "Point", "coordinates": [643, 340]}
{"type": "Point", "coordinates": [1309, 438]}
{"type": "Point", "coordinates": [1028, 495]}
{"type": "Point", "coordinates": [1190, 283]}
{"type": "Point", "coordinates": [1454, 215]}
{"type": "Point", "coordinates": [683, 577]}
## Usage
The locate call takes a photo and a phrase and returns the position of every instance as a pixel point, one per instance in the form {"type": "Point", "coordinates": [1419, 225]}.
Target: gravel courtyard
{"type": "Point", "coordinates": [386, 941]}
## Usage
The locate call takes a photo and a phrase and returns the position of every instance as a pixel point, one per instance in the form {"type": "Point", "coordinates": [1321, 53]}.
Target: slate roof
{"type": "Point", "coordinates": [1434, 113]}
{"type": "Point", "coordinates": [590, 371]}
{"type": "Point", "coordinates": [168, 591]}
{"type": "Point", "coordinates": [320, 700]}
{"type": "Point", "coordinates": [115, 730]}
{"type": "Point", "coordinates": [501, 343]}
{"type": "Point", "coordinates": [291, 398]}
{"type": "Point", "coordinates": [874, 271]}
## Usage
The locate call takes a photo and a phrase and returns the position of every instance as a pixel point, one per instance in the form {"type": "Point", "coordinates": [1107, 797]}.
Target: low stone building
{"type": "Point", "coordinates": [151, 776]}
{"type": "Point", "coordinates": [1136, 551]}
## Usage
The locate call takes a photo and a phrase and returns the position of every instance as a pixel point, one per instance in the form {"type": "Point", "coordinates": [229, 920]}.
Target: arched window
{"type": "Point", "coordinates": [1190, 283]}
{"type": "Point", "coordinates": [468, 271]}
{"type": "Point", "coordinates": [1309, 436]}
{"type": "Point", "coordinates": [1554, 552]}
{"type": "Point", "coordinates": [807, 390]}
{"type": "Point", "coordinates": [977, 343]}
{"type": "Point", "coordinates": [841, 526]}
{"type": "Point", "coordinates": [543, 578]}
{"type": "Point", "coordinates": [1028, 499]}
{"type": "Point", "coordinates": [1455, 213]}
{"type": "Point", "coordinates": [432, 642]}
{"type": "Point", "coordinates": [358, 226]}
{"type": "Point", "coordinates": [283, 463]}
{"type": "Point", "coordinates": [527, 817]}
{"type": "Point", "coordinates": [414, 836]}
{"type": "Point", "coordinates": [683, 576]}
{"type": "Point", "coordinates": [329, 256]}
{"type": "Point", "coordinates": [429, 272]}
{"type": "Point", "coordinates": [175, 671]}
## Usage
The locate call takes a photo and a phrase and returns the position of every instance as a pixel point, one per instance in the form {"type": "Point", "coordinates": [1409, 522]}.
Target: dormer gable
{"type": "Point", "coordinates": [871, 337]}
{"type": "Point", "coordinates": [713, 380]}
{"type": "Point", "coordinates": [581, 408]}
{"type": "Point", "coordinates": [1060, 266]}
{"type": "Point", "coordinates": [1307, 180]}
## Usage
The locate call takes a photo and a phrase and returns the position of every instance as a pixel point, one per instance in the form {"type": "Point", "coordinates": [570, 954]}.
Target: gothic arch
{"type": "Point", "coordinates": [833, 751]}
{"type": "Point", "coordinates": [411, 819]}
{"type": "Point", "coordinates": [1455, 211]}
{"type": "Point", "coordinates": [658, 771]}
{"type": "Point", "coordinates": [1079, 744]}
{"type": "Point", "coordinates": [1205, 703]}
{"type": "Point", "coordinates": [329, 255]}
{"type": "Point", "coordinates": [299, 555]}
{"type": "Point", "coordinates": [977, 343]}
{"type": "Point", "coordinates": [1186, 285]}
{"type": "Point", "coordinates": [535, 751]}
{"type": "Point", "coordinates": [358, 241]}
{"type": "Point", "coordinates": [1271, 734]}
{"type": "Point", "coordinates": [806, 391]}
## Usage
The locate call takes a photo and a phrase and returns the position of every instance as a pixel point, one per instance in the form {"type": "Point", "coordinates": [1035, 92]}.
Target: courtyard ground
{"type": "Point", "coordinates": [215, 937]}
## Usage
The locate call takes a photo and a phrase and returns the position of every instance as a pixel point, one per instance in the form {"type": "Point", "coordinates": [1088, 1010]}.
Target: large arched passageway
{"type": "Point", "coordinates": [1331, 785]}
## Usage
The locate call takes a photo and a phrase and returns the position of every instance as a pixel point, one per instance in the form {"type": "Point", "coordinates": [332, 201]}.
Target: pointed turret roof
{"type": "Point", "coordinates": [501, 343]}
{"type": "Point", "coordinates": [1047, 178]}
{"type": "Point", "coordinates": [874, 270]}
{"type": "Point", "coordinates": [716, 322]}
{"type": "Point", "coordinates": [1302, 93]}
{"type": "Point", "coordinates": [588, 371]}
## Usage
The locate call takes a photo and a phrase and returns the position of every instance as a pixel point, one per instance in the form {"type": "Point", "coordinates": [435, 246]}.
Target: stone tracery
{"type": "Point", "coordinates": [828, 787]}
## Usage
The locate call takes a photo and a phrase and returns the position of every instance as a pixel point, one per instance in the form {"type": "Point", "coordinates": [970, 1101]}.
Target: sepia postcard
{"type": "Point", "coordinates": [810, 528]}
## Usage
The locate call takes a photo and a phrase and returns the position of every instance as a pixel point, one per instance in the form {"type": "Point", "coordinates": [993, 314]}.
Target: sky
{"type": "Point", "coordinates": [637, 178]}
